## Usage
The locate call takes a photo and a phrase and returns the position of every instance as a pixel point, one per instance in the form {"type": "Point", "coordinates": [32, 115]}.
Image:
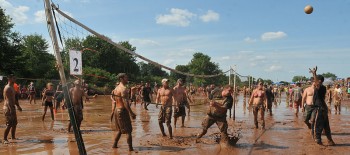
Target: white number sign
{"type": "Point", "coordinates": [76, 67]}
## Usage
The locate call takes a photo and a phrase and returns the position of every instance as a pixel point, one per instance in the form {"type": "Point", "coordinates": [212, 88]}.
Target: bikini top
{"type": "Point", "coordinates": [258, 94]}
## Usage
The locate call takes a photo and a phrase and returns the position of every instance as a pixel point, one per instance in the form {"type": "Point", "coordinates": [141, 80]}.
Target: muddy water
{"type": "Point", "coordinates": [284, 134]}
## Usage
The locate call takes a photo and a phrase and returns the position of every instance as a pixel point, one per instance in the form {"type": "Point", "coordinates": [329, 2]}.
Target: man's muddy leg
{"type": "Point", "coordinates": [116, 140]}
{"type": "Point", "coordinates": [183, 121]}
{"type": "Point", "coordinates": [13, 132]}
{"type": "Point", "coordinates": [204, 131]}
{"type": "Point", "coordinates": [168, 124]}
{"type": "Point", "coordinates": [175, 120]}
{"type": "Point", "coordinates": [161, 128]}
{"type": "Point", "coordinates": [129, 140]}
{"type": "Point", "coordinates": [6, 132]}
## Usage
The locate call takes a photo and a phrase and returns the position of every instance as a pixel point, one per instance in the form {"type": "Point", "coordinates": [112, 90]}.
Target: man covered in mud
{"type": "Point", "coordinates": [338, 96]}
{"type": "Point", "coordinates": [269, 96]}
{"type": "Point", "coordinates": [181, 102]}
{"type": "Point", "coordinates": [258, 100]}
{"type": "Point", "coordinates": [10, 109]}
{"type": "Point", "coordinates": [146, 95]}
{"type": "Point", "coordinates": [321, 110]}
{"type": "Point", "coordinates": [297, 97]}
{"type": "Point", "coordinates": [165, 97]}
{"type": "Point", "coordinates": [217, 114]}
{"type": "Point", "coordinates": [329, 97]}
{"type": "Point", "coordinates": [77, 93]}
{"type": "Point", "coordinates": [122, 111]}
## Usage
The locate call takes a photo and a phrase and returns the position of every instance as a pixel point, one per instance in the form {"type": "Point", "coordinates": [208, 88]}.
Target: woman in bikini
{"type": "Point", "coordinates": [258, 101]}
{"type": "Point", "coordinates": [48, 97]}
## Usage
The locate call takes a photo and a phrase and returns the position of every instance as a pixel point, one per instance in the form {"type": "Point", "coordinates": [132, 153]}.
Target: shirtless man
{"type": "Point", "coordinates": [308, 106]}
{"type": "Point", "coordinates": [122, 111]}
{"type": "Point", "coordinates": [337, 95]}
{"type": "Point", "coordinates": [165, 96]}
{"type": "Point", "coordinates": [10, 109]}
{"type": "Point", "coordinates": [217, 114]}
{"type": "Point", "coordinates": [259, 101]}
{"type": "Point", "coordinates": [77, 93]}
{"type": "Point", "coordinates": [180, 102]}
{"type": "Point", "coordinates": [48, 97]}
{"type": "Point", "coordinates": [297, 97]}
{"type": "Point", "coordinates": [329, 97]}
{"type": "Point", "coordinates": [146, 94]}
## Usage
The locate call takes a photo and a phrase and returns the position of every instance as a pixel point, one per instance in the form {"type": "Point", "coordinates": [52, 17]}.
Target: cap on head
{"type": "Point", "coordinates": [165, 80]}
{"type": "Point", "coordinates": [31, 83]}
{"type": "Point", "coordinates": [77, 82]}
{"type": "Point", "coordinates": [179, 80]}
{"type": "Point", "coordinates": [121, 75]}
{"type": "Point", "coordinates": [10, 76]}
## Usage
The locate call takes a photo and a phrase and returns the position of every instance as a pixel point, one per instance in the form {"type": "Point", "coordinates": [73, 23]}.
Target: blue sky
{"type": "Point", "coordinates": [269, 39]}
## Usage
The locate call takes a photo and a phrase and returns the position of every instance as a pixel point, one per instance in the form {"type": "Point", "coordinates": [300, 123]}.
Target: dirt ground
{"type": "Point", "coordinates": [284, 134]}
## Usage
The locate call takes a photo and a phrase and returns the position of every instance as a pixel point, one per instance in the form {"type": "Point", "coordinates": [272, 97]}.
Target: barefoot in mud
{"type": "Point", "coordinates": [122, 111]}
{"type": "Point", "coordinates": [165, 96]}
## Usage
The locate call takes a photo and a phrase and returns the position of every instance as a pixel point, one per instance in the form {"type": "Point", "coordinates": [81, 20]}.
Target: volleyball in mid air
{"type": "Point", "coordinates": [308, 9]}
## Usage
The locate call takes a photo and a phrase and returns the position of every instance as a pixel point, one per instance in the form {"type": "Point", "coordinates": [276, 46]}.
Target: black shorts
{"type": "Point", "coordinates": [180, 111]}
{"type": "Point", "coordinates": [147, 99]}
{"type": "Point", "coordinates": [47, 103]}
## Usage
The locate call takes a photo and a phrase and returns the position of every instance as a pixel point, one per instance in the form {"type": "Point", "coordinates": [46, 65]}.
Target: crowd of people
{"type": "Point", "coordinates": [314, 100]}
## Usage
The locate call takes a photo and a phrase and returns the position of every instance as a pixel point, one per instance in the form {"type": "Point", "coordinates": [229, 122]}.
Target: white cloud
{"type": "Point", "coordinates": [267, 36]}
{"type": "Point", "coordinates": [177, 17]}
{"type": "Point", "coordinates": [18, 14]}
{"type": "Point", "coordinates": [40, 16]}
{"type": "Point", "coordinates": [253, 64]}
{"type": "Point", "coordinates": [210, 16]}
{"type": "Point", "coordinates": [273, 68]}
{"type": "Point", "coordinates": [168, 61]}
{"type": "Point", "coordinates": [258, 58]}
{"type": "Point", "coordinates": [143, 42]}
{"type": "Point", "coordinates": [225, 58]}
{"type": "Point", "coordinates": [249, 40]}
{"type": "Point", "coordinates": [182, 53]}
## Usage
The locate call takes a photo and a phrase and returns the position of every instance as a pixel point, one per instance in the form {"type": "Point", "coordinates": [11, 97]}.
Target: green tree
{"type": "Point", "coordinates": [10, 44]}
{"type": "Point", "coordinates": [201, 65]}
{"type": "Point", "coordinates": [299, 78]}
{"type": "Point", "coordinates": [329, 75]}
{"type": "Point", "coordinates": [108, 57]}
{"type": "Point", "coordinates": [183, 68]}
{"type": "Point", "coordinates": [268, 81]}
{"type": "Point", "coordinates": [99, 77]}
{"type": "Point", "coordinates": [38, 62]}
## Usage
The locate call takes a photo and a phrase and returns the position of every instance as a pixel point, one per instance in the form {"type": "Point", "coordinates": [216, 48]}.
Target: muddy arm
{"type": "Point", "coordinates": [314, 75]}
{"type": "Point", "coordinates": [157, 98]}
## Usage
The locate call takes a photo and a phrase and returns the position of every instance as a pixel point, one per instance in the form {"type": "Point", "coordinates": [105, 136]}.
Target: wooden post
{"type": "Point", "coordinates": [68, 100]}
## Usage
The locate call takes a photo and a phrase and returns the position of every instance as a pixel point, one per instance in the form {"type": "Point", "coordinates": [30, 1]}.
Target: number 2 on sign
{"type": "Point", "coordinates": [76, 64]}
